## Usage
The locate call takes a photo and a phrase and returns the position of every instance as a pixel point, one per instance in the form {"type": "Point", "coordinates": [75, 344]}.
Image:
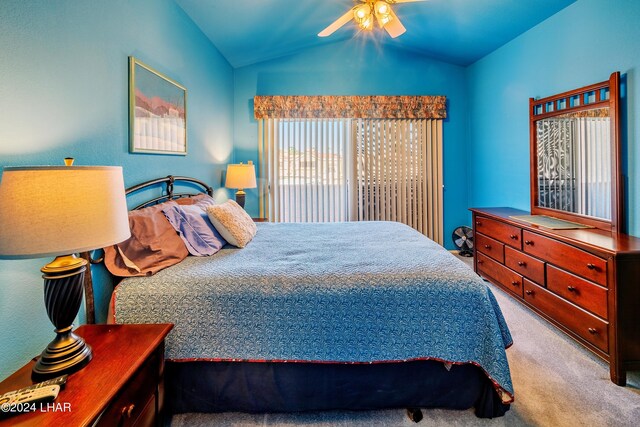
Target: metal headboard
{"type": "Point", "coordinates": [169, 182]}
{"type": "Point", "coordinates": [169, 194]}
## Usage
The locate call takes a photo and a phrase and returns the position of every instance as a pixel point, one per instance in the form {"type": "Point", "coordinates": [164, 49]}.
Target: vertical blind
{"type": "Point", "coordinates": [593, 176]}
{"type": "Point", "coordinates": [327, 170]}
{"type": "Point", "coordinates": [399, 173]}
{"type": "Point", "coordinates": [303, 164]}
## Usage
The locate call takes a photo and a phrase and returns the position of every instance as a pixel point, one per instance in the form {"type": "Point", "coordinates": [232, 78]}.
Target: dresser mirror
{"type": "Point", "coordinates": [575, 155]}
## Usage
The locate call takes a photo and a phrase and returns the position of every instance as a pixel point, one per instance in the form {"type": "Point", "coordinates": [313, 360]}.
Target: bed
{"type": "Point", "coordinates": [357, 315]}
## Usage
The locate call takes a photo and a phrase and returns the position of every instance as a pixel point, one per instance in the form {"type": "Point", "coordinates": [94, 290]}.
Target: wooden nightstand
{"type": "Point", "coordinates": [122, 386]}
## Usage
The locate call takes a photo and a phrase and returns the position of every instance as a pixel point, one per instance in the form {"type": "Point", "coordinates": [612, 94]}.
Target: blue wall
{"type": "Point", "coordinates": [580, 45]}
{"type": "Point", "coordinates": [356, 68]}
{"type": "Point", "coordinates": [64, 92]}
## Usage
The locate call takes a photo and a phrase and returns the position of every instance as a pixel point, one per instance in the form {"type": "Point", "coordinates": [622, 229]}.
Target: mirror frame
{"type": "Point", "coordinates": [588, 98]}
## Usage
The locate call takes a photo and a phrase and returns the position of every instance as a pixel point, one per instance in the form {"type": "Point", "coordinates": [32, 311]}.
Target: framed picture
{"type": "Point", "coordinates": [157, 112]}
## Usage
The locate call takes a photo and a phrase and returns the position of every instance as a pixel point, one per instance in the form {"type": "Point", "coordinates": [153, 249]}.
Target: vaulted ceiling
{"type": "Point", "coordinates": [455, 31]}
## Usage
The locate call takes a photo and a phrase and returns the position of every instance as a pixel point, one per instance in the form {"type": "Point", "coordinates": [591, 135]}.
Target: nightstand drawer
{"type": "Point", "coordinates": [133, 400]}
{"type": "Point", "coordinates": [501, 274]}
{"type": "Point", "coordinates": [579, 291]}
{"type": "Point", "coordinates": [507, 234]}
{"type": "Point", "coordinates": [489, 247]}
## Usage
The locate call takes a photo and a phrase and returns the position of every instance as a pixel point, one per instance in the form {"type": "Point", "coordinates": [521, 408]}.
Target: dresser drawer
{"type": "Point", "coordinates": [524, 264]}
{"type": "Point", "coordinates": [568, 257]}
{"type": "Point", "coordinates": [490, 247]}
{"type": "Point", "coordinates": [579, 291]}
{"type": "Point", "coordinates": [582, 323]}
{"type": "Point", "coordinates": [504, 277]}
{"type": "Point", "coordinates": [134, 399]}
{"type": "Point", "coordinates": [507, 234]}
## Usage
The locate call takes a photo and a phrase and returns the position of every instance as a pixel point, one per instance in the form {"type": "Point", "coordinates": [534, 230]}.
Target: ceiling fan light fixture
{"type": "Point", "coordinates": [363, 17]}
{"type": "Point", "coordinates": [362, 12]}
{"type": "Point", "coordinates": [366, 24]}
{"type": "Point", "coordinates": [382, 8]}
{"type": "Point", "coordinates": [383, 13]}
{"type": "Point", "coordinates": [384, 20]}
{"type": "Point", "coordinates": [366, 12]}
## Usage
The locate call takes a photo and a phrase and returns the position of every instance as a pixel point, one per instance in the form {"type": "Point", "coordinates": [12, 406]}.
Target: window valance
{"type": "Point", "coordinates": [369, 107]}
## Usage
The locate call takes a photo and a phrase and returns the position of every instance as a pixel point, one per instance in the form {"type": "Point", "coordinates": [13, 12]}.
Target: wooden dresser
{"type": "Point", "coordinates": [121, 386]}
{"type": "Point", "coordinates": [585, 281]}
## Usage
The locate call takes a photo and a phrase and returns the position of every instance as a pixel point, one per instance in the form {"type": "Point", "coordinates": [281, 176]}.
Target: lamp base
{"type": "Point", "coordinates": [240, 196]}
{"type": "Point", "coordinates": [66, 354]}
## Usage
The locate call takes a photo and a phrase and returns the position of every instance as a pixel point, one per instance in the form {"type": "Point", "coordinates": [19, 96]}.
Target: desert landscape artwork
{"type": "Point", "coordinates": [157, 112]}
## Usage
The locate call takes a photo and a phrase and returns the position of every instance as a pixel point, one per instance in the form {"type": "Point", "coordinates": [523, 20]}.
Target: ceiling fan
{"type": "Point", "coordinates": [363, 14]}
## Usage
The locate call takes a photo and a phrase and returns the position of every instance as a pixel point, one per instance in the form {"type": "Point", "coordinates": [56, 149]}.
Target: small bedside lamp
{"type": "Point", "coordinates": [241, 176]}
{"type": "Point", "coordinates": [60, 211]}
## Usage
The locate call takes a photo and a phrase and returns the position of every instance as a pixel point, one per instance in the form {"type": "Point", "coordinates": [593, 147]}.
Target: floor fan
{"type": "Point", "coordinates": [463, 239]}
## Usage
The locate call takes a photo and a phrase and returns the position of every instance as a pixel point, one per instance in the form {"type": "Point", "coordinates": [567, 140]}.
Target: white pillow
{"type": "Point", "coordinates": [232, 222]}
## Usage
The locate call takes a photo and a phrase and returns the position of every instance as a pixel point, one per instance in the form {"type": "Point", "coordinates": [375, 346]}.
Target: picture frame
{"type": "Point", "coordinates": [157, 112]}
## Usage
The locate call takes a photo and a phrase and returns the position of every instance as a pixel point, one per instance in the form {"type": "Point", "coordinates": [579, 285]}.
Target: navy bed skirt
{"type": "Point", "coordinates": [258, 387]}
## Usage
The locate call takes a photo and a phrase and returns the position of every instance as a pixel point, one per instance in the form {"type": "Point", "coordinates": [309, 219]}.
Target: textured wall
{"type": "Point", "coordinates": [356, 68]}
{"type": "Point", "coordinates": [64, 92]}
{"type": "Point", "coordinates": [580, 45]}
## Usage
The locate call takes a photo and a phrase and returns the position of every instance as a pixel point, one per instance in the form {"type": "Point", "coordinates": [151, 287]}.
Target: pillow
{"type": "Point", "coordinates": [235, 225]}
{"type": "Point", "coordinates": [153, 245]}
{"type": "Point", "coordinates": [204, 201]}
{"type": "Point", "coordinates": [198, 198]}
{"type": "Point", "coordinates": [182, 201]}
{"type": "Point", "coordinates": [193, 226]}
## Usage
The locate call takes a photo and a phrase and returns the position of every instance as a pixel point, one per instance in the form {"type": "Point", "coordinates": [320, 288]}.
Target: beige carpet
{"type": "Point", "coordinates": [557, 383]}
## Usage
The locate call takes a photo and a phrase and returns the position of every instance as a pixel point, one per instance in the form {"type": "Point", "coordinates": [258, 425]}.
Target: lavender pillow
{"type": "Point", "coordinates": [198, 234]}
{"type": "Point", "coordinates": [203, 201]}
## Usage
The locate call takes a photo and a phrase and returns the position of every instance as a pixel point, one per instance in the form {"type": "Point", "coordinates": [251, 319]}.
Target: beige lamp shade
{"type": "Point", "coordinates": [51, 211]}
{"type": "Point", "coordinates": [241, 176]}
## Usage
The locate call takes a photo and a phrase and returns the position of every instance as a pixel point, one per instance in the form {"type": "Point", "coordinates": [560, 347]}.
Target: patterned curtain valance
{"type": "Point", "coordinates": [366, 107]}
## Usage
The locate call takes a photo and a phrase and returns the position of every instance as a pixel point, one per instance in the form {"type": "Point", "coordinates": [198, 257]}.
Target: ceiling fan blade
{"type": "Point", "coordinates": [394, 27]}
{"type": "Point", "coordinates": [337, 24]}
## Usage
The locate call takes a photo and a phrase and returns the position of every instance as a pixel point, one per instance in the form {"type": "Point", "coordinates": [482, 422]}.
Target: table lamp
{"type": "Point", "coordinates": [60, 211]}
{"type": "Point", "coordinates": [241, 176]}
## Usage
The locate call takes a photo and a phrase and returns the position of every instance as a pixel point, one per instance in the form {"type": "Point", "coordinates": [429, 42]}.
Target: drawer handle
{"type": "Point", "coordinates": [571, 289]}
{"type": "Point", "coordinates": [127, 410]}
{"type": "Point", "coordinates": [529, 292]}
{"type": "Point", "coordinates": [522, 263]}
{"type": "Point", "coordinates": [528, 242]}
{"type": "Point", "coordinates": [515, 283]}
{"type": "Point", "coordinates": [478, 223]}
{"type": "Point", "coordinates": [487, 246]}
{"type": "Point", "coordinates": [593, 331]}
{"type": "Point", "coordinates": [513, 236]}
{"type": "Point", "coordinates": [591, 266]}
{"type": "Point", "coordinates": [480, 261]}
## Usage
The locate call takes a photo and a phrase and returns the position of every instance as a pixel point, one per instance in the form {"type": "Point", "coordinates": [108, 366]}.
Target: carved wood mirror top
{"type": "Point", "coordinates": [575, 155]}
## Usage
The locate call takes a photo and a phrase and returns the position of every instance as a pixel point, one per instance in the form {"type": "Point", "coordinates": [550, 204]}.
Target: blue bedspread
{"type": "Point", "coordinates": [346, 292]}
